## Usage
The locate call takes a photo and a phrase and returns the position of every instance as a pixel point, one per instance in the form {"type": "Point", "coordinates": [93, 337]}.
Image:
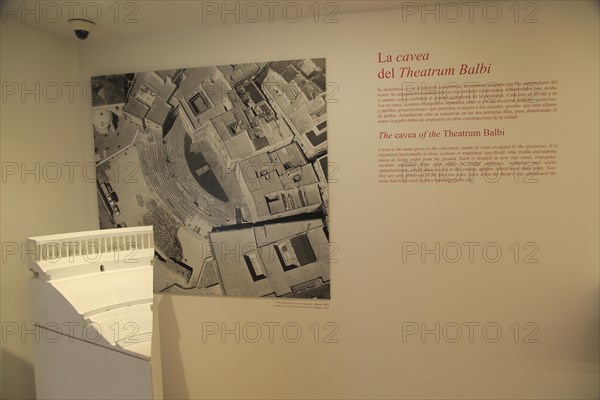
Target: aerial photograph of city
{"type": "Point", "coordinates": [229, 164]}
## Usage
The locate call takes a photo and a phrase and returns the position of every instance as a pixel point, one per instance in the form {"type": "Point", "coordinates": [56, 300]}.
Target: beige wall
{"type": "Point", "coordinates": [373, 291]}
{"type": "Point", "coordinates": [45, 132]}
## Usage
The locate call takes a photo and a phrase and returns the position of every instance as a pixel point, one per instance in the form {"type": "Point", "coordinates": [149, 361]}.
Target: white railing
{"type": "Point", "coordinates": [53, 248]}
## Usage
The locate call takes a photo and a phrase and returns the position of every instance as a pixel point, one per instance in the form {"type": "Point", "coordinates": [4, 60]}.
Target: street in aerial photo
{"type": "Point", "coordinates": [229, 164]}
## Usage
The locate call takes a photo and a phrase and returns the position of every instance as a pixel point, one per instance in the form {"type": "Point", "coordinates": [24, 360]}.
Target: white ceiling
{"type": "Point", "coordinates": [155, 16]}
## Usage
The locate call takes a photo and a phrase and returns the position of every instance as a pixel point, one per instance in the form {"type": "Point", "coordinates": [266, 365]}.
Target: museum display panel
{"type": "Point", "coordinates": [229, 164]}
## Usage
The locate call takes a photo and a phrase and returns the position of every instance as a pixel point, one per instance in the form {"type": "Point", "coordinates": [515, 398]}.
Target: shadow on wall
{"type": "Point", "coordinates": [18, 379]}
{"type": "Point", "coordinates": [590, 345]}
{"type": "Point", "coordinates": [175, 386]}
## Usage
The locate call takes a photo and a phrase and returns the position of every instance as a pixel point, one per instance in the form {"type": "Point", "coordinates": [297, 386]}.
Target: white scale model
{"type": "Point", "coordinates": [91, 299]}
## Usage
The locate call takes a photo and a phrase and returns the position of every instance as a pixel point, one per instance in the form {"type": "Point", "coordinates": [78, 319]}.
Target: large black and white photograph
{"type": "Point", "coordinates": [229, 164]}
